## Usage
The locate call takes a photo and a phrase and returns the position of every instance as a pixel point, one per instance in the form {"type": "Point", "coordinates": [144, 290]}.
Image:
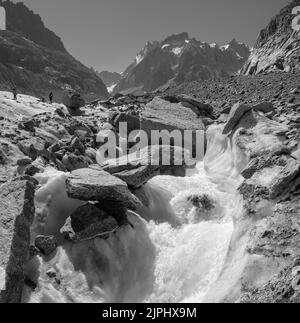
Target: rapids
{"type": "Point", "coordinates": [174, 252]}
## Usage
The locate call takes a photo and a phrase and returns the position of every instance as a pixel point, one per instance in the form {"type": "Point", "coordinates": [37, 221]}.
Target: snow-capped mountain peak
{"type": "Point", "coordinates": [180, 58]}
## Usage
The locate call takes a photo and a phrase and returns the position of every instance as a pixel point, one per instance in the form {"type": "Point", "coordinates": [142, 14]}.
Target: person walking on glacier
{"type": "Point", "coordinates": [14, 91]}
{"type": "Point", "coordinates": [51, 97]}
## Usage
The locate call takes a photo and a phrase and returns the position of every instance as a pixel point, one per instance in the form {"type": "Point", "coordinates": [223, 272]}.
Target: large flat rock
{"type": "Point", "coordinates": [16, 215]}
{"type": "Point", "coordinates": [160, 114]}
{"type": "Point", "coordinates": [137, 169]}
{"type": "Point", "coordinates": [92, 184]}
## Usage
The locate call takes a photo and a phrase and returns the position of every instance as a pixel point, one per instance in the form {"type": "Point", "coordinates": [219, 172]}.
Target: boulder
{"type": "Point", "coordinates": [283, 180]}
{"type": "Point", "coordinates": [296, 154]}
{"type": "Point", "coordinates": [46, 244]}
{"type": "Point", "coordinates": [236, 113]}
{"type": "Point", "coordinates": [265, 107]}
{"type": "Point", "coordinates": [72, 100]}
{"type": "Point", "coordinates": [32, 147]}
{"type": "Point", "coordinates": [158, 121]}
{"type": "Point", "coordinates": [200, 108]}
{"type": "Point", "coordinates": [91, 154]}
{"type": "Point", "coordinates": [132, 122]}
{"type": "Point", "coordinates": [16, 213]}
{"type": "Point", "coordinates": [160, 115]}
{"type": "Point", "coordinates": [28, 125]}
{"type": "Point", "coordinates": [85, 216]}
{"type": "Point", "coordinates": [92, 184]}
{"type": "Point", "coordinates": [3, 157]}
{"type": "Point", "coordinates": [72, 162]}
{"type": "Point", "coordinates": [137, 169]}
{"type": "Point", "coordinates": [76, 144]}
{"type": "Point", "coordinates": [163, 115]}
{"type": "Point", "coordinates": [88, 222]}
{"type": "Point", "coordinates": [267, 160]}
{"type": "Point", "coordinates": [24, 161]}
{"type": "Point", "coordinates": [31, 170]}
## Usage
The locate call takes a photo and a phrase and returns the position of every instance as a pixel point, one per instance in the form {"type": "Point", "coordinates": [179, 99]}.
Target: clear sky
{"type": "Point", "coordinates": [107, 34]}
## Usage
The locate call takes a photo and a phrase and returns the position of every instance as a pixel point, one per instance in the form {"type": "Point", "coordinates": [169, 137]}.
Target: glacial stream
{"type": "Point", "coordinates": [174, 252]}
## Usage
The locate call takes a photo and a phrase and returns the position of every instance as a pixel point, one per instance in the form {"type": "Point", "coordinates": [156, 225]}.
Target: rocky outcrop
{"type": "Point", "coordinates": [180, 59]}
{"type": "Point", "coordinates": [16, 216]}
{"type": "Point", "coordinates": [20, 19]}
{"type": "Point", "coordinates": [266, 237]}
{"type": "Point", "coordinates": [36, 61]}
{"type": "Point", "coordinates": [278, 45]}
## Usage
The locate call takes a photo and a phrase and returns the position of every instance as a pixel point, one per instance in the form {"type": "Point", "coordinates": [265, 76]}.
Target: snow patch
{"type": "Point", "coordinates": [239, 56]}
{"type": "Point", "coordinates": [139, 58]}
{"type": "Point", "coordinates": [111, 88]}
{"type": "Point", "coordinates": [165, 46]}
{"type": "Point", "coordinates": [224, 47]}
{"type": "Point", "coordinates": [177, 51]}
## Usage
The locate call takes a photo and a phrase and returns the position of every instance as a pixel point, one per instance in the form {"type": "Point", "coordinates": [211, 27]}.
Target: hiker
{"type": "Point", "coordinates": [14, 91]}
{"type": "Point", "coordinates": [51, 97]}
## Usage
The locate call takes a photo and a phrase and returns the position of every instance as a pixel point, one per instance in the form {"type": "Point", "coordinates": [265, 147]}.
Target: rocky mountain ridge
{"type": "Point", "coordinates": [180, 59]}
{"type": "Point", "coordinates": [34, 60]}
{"type": "Point", "coordinates": [278, 45]}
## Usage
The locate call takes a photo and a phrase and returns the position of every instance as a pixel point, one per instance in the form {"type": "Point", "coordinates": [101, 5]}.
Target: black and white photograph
{"type": "Point", "coordinates": [149, 154]}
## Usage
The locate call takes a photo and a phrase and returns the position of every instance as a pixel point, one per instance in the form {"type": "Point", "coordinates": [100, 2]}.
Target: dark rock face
{"type": "Point", "coordinates": [278, 45]}
{"type": "Point", "coordinates": [16, 216]}
{"type": "Point", "coordinates": [180, 59]}
{"type": "Point", "coordinates": [281, 183]}
{"type": "Point", "coordinates": [36, 59]}
{"type": "Point", "coordinates": [89, 222]}
{"type": "Point", "coordinates": [23, 21]}
{"type": "Point", "coordinates": [85, 216]}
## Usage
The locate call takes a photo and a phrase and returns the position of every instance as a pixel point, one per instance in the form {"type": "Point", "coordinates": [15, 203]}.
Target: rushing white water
{"type": "Point", "coordinates": [174, 253]}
